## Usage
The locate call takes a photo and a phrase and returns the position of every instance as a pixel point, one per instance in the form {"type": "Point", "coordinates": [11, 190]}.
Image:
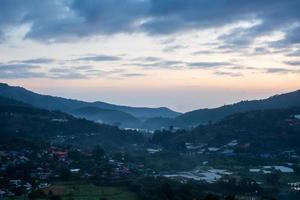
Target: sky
{"type": "Point", "coordinates": [184, 55]}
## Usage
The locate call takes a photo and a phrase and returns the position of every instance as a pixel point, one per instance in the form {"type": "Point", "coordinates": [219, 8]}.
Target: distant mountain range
{"type": "Point", "coordinates": [271, 124]}
{"type": "Point", "coordinates": [204, 116]}
{"type": "Point", "coordinates": [142, 117]}
{"type": "Point", "coordinates": [99, 111]}
{"type": "Point", "coordinates": [107, 116]}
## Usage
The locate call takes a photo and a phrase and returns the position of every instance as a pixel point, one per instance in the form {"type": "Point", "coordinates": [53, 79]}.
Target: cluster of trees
{"type": "Point", "coordinates": [267, 130]}
{"type": "Point", "coordinates": [150, 188]}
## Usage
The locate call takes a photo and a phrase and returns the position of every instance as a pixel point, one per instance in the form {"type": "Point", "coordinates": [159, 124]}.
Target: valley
{"type": "Point", "coordinates": [256, 151]}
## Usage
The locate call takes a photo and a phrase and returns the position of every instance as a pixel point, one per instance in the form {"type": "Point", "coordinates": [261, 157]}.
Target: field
{"type": "Point", "coordinates": [84, 191]}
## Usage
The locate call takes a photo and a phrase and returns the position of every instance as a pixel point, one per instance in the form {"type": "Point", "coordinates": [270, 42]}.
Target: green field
{"type": "Point", "coordinates": [84, 191]}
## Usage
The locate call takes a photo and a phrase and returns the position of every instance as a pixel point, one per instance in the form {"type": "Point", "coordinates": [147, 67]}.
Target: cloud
{"type": "Point", "coordinates": [148, 59]}
{"type": "Point", "coordinates": [173, 48]}
{"type": "Point", "coordinates": [22, 70]}
{"type": "Point", "coordinates": [280, 70]}
{"type": "Point", "coordinates": [206, 64]}
{"type": "Point", "coordinates": [2, 37]}
{"type": "Point", "coordinates": [15, 71]}
{"type": "Point", "coordinates": [14, 67]}
{"type": "Point", "coordinates": [294, 63]}
{"type": "Point", "coordinates": [61, 20]}
{"type": "Point", "coordinates": [204, 52]}
{"type": "Point", "coordinates": [35, 61]}
{"type": "Point", "coordinates": [294, 53]}
{"type": "Point", "coordinates": [68, 75]}
{"type": "Point", "coordinates": [81, 72]}
{"type": "Point", "coordinates": [161, 64]}
{"type": "Point", "coordinates": [232, 74]}
{"type": "Point", "coordinates": [292, 36]}
{"type": "Point", "coordinates": [133, 75]}
{"type": "Point", "coordinates": [98, 58]}
{"type": "Point", "coordinates": [11, 71]}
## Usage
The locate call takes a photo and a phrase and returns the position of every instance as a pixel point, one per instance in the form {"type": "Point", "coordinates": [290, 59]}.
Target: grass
{"type": "Point", "coordinates": [91, 192]}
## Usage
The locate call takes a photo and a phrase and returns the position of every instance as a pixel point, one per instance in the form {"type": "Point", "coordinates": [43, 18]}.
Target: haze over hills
{"type": "Point", "coordinates": [143, 117]}
{"type": "Point", "coordinates": [112, 117]}
{"type": "Point", "coordinates": [125, 115]}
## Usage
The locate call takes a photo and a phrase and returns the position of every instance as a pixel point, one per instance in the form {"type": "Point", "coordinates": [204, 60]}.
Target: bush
{"type": "Point", "coordinates": [36, 194]}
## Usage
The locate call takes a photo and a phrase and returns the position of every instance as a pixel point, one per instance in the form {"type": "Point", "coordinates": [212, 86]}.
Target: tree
{"type": "Point", "coordinates": [98, 153]}
{"type": "Point", "coordinates": [230, 197]}
{"type": "Point", "coordinates": [167, 191]}
{"type": "Point", "coordinates": [37, 194]}
{"type": "Point", "coordinates": [55, 197]}
{"type": "Point", "coordinates": [273, 178]}
{"type": "Point", "coordinates": [211, 197]}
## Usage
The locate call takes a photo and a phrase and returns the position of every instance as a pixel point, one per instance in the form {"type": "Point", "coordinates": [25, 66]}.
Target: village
{"type": "Point", "coordinates": [24, 171]}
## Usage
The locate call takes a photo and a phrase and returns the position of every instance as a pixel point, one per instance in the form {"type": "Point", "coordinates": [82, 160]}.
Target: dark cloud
{"type": "Point", "coordinates": [60, 20]}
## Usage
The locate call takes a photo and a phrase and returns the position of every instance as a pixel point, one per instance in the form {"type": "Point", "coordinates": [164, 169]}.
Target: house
{"type": "Point", "coordinates": [2, 194]}
{"type": "Point", "coordinates": [15, 182]}
{"type": "Point", "coordinates": [295, 186]}
{"type": "Point", "coordinates": [213, 149]}
{"type": "Point", "coordinates": [74, 170]}
{"type": "Point", "coordinates": [248, 197]}
{"type": "Point", "coordinates": [60, 154]}
{"type": "Point", "coordinates": [43, 185]}
{"type": "Point", "coordinates": [28, 187]}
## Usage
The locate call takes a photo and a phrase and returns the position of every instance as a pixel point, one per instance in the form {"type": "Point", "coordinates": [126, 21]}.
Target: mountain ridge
{"type": "Point", "coordinates": [67, 105]}
{"type": "Point", "coordinates": [203, 116]}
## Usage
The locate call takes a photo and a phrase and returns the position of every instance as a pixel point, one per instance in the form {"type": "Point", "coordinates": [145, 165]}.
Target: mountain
{"type": "Point", "coordinates": [71, 105]}
{"type": "Point", "coordinates": [113, 117]}
{"type": "Point", "coordinates": [204, 116]}
{"type": "Point", "coordinates": [272, 130]}
{"type": "Point", "coordinates": [21, 120]}
{"type": "Point", "coordinates": [139, 112]}
{"type": "Point", "coordinates": [11, 102]}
